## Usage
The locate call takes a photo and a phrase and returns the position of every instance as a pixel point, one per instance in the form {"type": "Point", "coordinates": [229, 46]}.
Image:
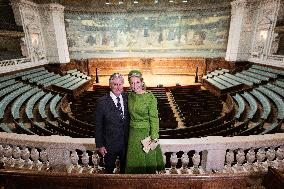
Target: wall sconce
{"type": "Point", "coordinates": [120, 2]}
{"type": "Point", "coordinates": [107, 2]}
{"type": "Point", "coordinates": [156, 1]}
{"type": "Point", "coordinates": [135, 1]}
{"type": "Point", "coordinates": [184, 1]}
{"type": "Point", "coordinates": [171, 1]}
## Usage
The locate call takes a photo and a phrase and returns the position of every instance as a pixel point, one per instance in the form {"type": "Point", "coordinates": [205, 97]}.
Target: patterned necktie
{"type": "Point", "coordinates": [119, 107]}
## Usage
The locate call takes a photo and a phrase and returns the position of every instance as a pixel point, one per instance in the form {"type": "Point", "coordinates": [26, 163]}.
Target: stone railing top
{"type": "Point", "coordinates": [167, 145]}
{"type": "Point", "coordinates": [54, 141]}
{"type": "Point", "coordinates": [219, 142]}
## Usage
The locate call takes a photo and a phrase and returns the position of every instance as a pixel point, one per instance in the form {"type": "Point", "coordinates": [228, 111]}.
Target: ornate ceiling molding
{"type": "Point", "coordinates": [104, 6]}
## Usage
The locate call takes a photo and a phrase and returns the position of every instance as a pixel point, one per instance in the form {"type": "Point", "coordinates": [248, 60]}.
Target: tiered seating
{"type": "Point", "coordinates": [267, 69]}
{"type": "Point", "coordinates": [19, 102]}
{"type": "Point", "coordinates": [275, 88]}
{"type": "Point", "coordinates": [278, 101]}
{"type": "Point", "coordinates": [258, 111]}
{"type": "Point", "coordinates": [53, 105]}
{"type": "Point", "coordinates": [241, 80]}
{"type": "Point", "coordinates": [249, 78]}
{"type": "Point", "coordinates": [47, 81]}
{"type": "Point", "coordinates": [254, 75]}
{"type": "Point", "coordinates": [264, 102]}
{"type": "Point", "coordinates": [221, 81]}
{"type": "Point", "coordinates": [196, 106]}
{"type": "Point", "coordinates": [7, 83]}
{"type": "Point", "coordinates": [280, 83]}
{"type": "Point", "coordinates": [83, 107]}
{"type": "Point", "coordinates": [34, 75]}
{"type": "Point", "coordinates": [264, 73]}
{"type": "Point", "coordinates": [77, 73]}
{"type": "Point", "coordinates": [252, 104]}
{"type": "Point", "coordinates": [241, 105]}
{"type": "Point", "coordinates": [56, 80]}
{"type": "Point", "coordinates": [166, 115]}
{"type": "Point", "coordinates": [10, 97]}
{"type": "Point", "coordinates": [43, 103]}
{"type": "Point", "coordinates": [41, 77]}
{"type": "Point", "coordinates": [31, 103]}
{"type": "Point", "coordinates": [11, 88]}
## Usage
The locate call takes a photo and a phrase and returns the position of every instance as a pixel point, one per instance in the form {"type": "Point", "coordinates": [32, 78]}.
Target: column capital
{"type": "Point", "coordinates": [239, 3]}
{"type": "Point", "coordinates": [52, 7]}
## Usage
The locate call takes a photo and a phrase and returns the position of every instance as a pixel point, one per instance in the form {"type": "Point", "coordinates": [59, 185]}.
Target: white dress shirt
{"type": "Point", "coordinates": [115, 101]}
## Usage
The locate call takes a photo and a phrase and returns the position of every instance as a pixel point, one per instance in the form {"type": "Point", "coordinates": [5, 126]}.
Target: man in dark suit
{"type": "Point", "coordinates": [112, 122]}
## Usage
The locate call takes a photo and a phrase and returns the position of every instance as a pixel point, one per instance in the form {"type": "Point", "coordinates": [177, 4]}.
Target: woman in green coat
{"type": "Point", "coordinates": [144, 122]}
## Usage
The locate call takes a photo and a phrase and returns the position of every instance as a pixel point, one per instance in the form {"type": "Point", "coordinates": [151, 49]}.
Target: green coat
{"type": "Point", "coordinates": [144, 121]}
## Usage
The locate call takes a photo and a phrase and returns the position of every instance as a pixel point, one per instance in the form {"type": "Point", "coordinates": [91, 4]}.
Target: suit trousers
{"type": "Point", "coordinates": [111, 157]}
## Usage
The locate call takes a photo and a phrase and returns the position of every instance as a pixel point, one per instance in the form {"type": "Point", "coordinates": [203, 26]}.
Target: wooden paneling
{"type": "Point", "coordinates": [33, 180]}
{"type": "Point", "coordinates": [185, 66]}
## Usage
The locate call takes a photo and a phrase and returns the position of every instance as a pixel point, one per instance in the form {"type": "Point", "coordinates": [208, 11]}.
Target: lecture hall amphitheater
{"type": "Point", "coordinates": [216, 68]}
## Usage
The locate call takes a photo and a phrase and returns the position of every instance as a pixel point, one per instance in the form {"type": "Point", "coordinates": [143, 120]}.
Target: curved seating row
{"type": "Point", "coordinates": [10, 97]}
{"type": "Point", "coordinates": [264, 102]}
{"type": "Point", "coordinates": [264, 73]}
{"type": "Point", "coordinates": [241, 105]}
{"type": "Point", "coordinates": [11, 88]}
{"type": "Point", "coordinates": [43, 103]}
{"type": "Point", "coordinates": [267, 69]}
{"type": "Point", "coordinates": [252, 104]}
{"type": "Point", "coordinates": [276, 99]}
{"type": "Point", "coordinates": [53, 105]}
{"type": "Point", "coordinates": [7, 83]}
{"type": "Point", "coordinates": [31, 103]}
{"type": "Point", "coordinates": [15, 110]}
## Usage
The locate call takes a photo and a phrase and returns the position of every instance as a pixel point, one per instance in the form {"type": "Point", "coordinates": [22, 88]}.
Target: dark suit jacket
{"type": "Point", "coordinates": [111, 130]}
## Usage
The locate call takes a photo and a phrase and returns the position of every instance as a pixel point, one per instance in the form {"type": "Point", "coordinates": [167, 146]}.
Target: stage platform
{"type": "Point", "coordinates": [157, 80]}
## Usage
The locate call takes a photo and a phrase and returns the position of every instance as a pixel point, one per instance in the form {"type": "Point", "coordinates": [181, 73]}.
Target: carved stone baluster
{"type": "Point", "coordinates": [26, 156]}
{"type": "Point", "coordinates": [174, 161]}
{"type": "Point", "coordinates": [96, 161]}
{"type": "Point", "coordinates": [270, 155]}
{"type": "Point", "coordinates": [1, 154]}
{"type": "Point", "coordinates": [240, 157]}
{"type": "Point", "coordinates": [196, 162]}
{"type": "Point", "coordinates": [260, 156]}
{"type": "Point", "coordinates": [117, 166]}
{"type": "Point", "coordinates": [75, 167]}
{"type": "Point", "coordinates": [44, 158]}
{"type": "Point", "coordinates": [250, 156]}
{"type": "Point", "coordinates": [85, 161]}
{"type": "Point", "coordinates": [9, 161]}
{"type": "Point", "coordinates": [229, 160]}
{"type": "Point", "coordinates": [184, 162]}
{"type": "Point", "coordinates": [280, 158]}
{"type": "Point", "coordinates": [35, 158]}
{"type": "Point", "coordinates": [19, 162]}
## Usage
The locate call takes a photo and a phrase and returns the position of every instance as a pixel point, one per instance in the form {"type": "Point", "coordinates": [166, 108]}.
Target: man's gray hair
{"type": "Point", "coordinates": [114, 76]}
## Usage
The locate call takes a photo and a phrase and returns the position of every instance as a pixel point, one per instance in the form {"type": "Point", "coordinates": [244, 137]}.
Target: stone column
{"type": "Point", "coordinates": [238, 47]}
{"type": "Point", "coordinates": [27, 15]}
{"type": "Point", "coordinates": [52, 20]}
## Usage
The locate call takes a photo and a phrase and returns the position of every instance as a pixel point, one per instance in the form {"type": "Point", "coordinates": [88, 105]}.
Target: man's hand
{"type": "Point", "coordinates": [102, 151]}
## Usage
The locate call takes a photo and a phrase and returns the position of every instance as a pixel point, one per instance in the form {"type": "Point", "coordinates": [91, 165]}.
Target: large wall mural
{"type": "Point", "coordinates": [189, 34]}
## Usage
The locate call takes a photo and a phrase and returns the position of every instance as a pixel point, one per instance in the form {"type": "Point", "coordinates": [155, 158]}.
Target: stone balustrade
{"type": "Point", "coordinates": [208, 155]}
{"type": "Point", "coordinates": [14, 62]}
{"type": "Point", "coordinates": [18, 64]}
